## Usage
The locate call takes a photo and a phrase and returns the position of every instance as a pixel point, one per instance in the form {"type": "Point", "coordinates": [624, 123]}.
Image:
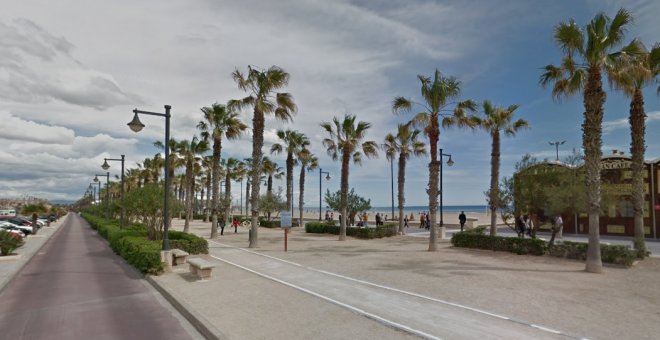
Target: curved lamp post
{"type": "Point", "coordinates": [327, 178]}
{"type": "Point", "coordinates": [450, 163]}
{"type": "Point", "coordinates": [106, 166]}
{"type": "Point", "coordinates": [137, 126]}
{"type": "Point", "coordinates": [107, 192]}
{"type": "Point", "coordinates": [557, 144]}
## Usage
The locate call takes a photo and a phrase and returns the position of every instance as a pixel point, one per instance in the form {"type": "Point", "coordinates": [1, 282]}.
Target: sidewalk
{"type": "Point", "coordinates": [394, 289]}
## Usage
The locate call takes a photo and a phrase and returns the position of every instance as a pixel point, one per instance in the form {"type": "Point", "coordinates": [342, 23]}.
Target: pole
{"type": "Point", "coordinates": [168, 180]}
{"type": "Point", "coordinates": [441, 192]}
{"type": "Point", "coordinates": [557, 151]}
{"type": "Point", "coordinates": [286, 234]}
{"type": "Point", "coordinates": [320, 192]}
{"type": "Point", "coordinates": [392, 182]}
{"type": "Point", "coordinates": [123, 213]}
{"type": "Point", "coordinates": [107, 195]}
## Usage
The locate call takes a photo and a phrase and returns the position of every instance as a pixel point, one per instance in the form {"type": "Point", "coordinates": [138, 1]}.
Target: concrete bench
{"type": "Point", "coordinates": [201, 268]}
{"type": "Point", "coordinates": [179, 256]}
{"type": "Point", "coordinates": [471, 222]}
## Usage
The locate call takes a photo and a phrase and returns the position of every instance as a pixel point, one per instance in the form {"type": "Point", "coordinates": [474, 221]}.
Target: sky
{"type": "Point", "coordinates": [71, 72]}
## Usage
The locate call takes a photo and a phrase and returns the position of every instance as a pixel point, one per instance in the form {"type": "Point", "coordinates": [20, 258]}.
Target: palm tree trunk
{"type": "Point", "coordinates": [289, 180]}
{"type": "Point", "coordinates": [189, 194]}
{"type": "Point", "coordinates": [301, 200]}
{"type": "Point", "coordinates": [401, 179]}
{"type": "Point", "coordinates": [227, 200]}
{"type": "Point", "coordinates": [247, 196]}
{"type": "Point", "coordinates": [217, 148]}
{"type": "Point", "coordinates": [637, 148]}
{"type": "Point", "coordinates": [434, 167]}
{"type": "Point", "coordinates": [207, 215]}
{"type": "Point", "coordinates": [343, 201]}
{"type": "Point", "coordinates": [257, 144]}
{"type": "Point", "coordinates": [494, 181]}
{"type": "Point", "coordinates": [594, 98]}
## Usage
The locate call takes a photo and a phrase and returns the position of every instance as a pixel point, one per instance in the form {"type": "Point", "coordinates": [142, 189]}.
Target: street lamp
{"type": "Point", "coordinates": [107, 192]}
{"type": "Point", "coordinates": [557, 144]}
{"type": "Point", "coordinates": [136, 126]}
{"type": "Point", "coordinates": [450, 163]}
{"type": "Point", "coordinates": [106, 166]}
{"type": "Point", "coordinates": [327, 178]}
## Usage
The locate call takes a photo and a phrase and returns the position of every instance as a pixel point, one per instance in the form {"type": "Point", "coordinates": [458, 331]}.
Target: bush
{"type": "Point", "coordinates": [363, 233]}
{"type": "Point", "coordinates": [9, 242]}
{"type": "Point", "coordinates": [190, 243]}
{"type": "Point", "coordinates": [498, 243]}
{"type": "Point", "coordinates": [274, 223]}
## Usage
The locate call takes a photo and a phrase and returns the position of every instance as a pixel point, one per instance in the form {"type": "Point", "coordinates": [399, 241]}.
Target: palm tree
{"type": "Point", "coordinates": [404, 144]}
{"type": "Point", "coordinates": [207, 164]}
{"type": "Point", "coordinates": [271, 169]}
{"type": "Point", "coordinates": [630, 74]}
{"type": "Point", "coordinates": [219, 121]}
{"type": "Point", "coordinates": [346, 141]}
{"type": "Point", "coordinates": [438, 95]}
{"type": "Point", "coordinates": [308, 162]}
{"type": "Point", "coordinates": [586, 55]}
{"type": "Point", "coordinates": [232, 169]}
{"type": "Point", "coordinates": [293, 142]}
{"type": "Point", "coordinates": [190, 152]}
{"type": "Point", "coordinates": [495, 121]}
{"type": "Point", "coordinates": [261, 87]}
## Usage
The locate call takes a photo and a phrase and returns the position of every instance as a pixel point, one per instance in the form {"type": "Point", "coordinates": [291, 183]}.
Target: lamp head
{"type": "Point", "coordinates": [105, 165]}
{"type": "Point", "coordinates": [135, 124]}
{"type": "Point", "coordinates": [327, 177]}
{"type": "Point", "coordinates": [96, 179]}
{"type": "Point", "coordinates": [450, 162]}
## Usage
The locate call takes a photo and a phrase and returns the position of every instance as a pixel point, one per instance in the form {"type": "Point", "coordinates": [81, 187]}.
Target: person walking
{"type": "Point", "coordinates": [235, 224]}
{"type": "Point", "coordinates": [520, 226]}
{"type": "Point", "coordinates": [428, 221]}
{"type": "Point", "coordinates": [462, 218]}
{"type": "Point", "coordinates": [559, 223]}
{"type": "Point", "coordinates": [405, 221]}
{"type": "Point", "coordinates": [221, 224]}
{"type": "Point", "coordinates": [379, 221]}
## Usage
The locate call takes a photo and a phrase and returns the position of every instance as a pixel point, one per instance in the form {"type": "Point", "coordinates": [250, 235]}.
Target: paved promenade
{"type": "Point", "coordinates": [75, 287]}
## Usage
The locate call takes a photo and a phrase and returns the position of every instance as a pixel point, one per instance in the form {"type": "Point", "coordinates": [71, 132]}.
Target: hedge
{"type": "Point", "coordinates": [275, 223]}
{"type": "Point", "coordinates": [615, 254]}
{"type": "Point", "coordinates": [363, 233]}
{"type": "Point", "coordinates": [132, 244]}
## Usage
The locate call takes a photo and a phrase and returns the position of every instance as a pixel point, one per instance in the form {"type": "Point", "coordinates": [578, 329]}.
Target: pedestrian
{"type": "Point", "coordinates": [365, 217]}
{"type": "Point", "coordinates": [422, 220]}
{"type": "Point", "coordinates": [34, 223]}
{"type": "Point", "coordinates": [221, 224]}
{"type": "Point", "coordinates": [405, 221]}
{"type": "Point", "coordinates": [428, 221]}
{"type": "Point", "coordinates": [462, 218]}
{"type": "Point", "coordinates": [332, 216]}
{"type": "Point", "coordinates": [235, 223]}
{"type": "Point", "coordinates": [520, 226]}
{"type": "Point", "coordinates": [327, 215]}
{"type": "Point", "coordinates": [559, 223]}
{"type": "Point", "coordinates": [378, 220]}
{"type": "Point", "coordinates": [527, 224]}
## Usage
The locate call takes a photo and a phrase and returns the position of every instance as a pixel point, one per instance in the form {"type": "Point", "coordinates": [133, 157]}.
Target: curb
{"type": "Point", "coordinates": [203, 326]}
{"type": "Point", "coordinates": [4, 283]}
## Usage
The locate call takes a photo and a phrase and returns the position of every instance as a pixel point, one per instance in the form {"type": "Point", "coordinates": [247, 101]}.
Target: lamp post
{"type": "Point", "coordinates": [327, 178]}
{"type": "Point", "coordinates": [107, 192]}
{"type": "Point", "coordinates": [106, 166]}
{"type": "Point", "coordinates": [557, 144]}
{"type": "Point", "coordinates": [136, 126]}
{"type": "Point", "coordinates": [450, 163]}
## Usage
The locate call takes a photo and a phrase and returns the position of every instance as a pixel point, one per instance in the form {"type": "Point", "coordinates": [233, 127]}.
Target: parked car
{"type": "Point", "coordinates": [26, 230]}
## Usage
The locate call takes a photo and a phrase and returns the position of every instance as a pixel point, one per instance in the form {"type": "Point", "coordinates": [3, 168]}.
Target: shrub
{"type": "Point", "coordinates": [9, 242]}
{"type": "Point", "coordinates": [498, 243]}
{"type": "Point", "coordinates": [190, 243]}
{"type": "Point", "coordinates": [275, 223]}
{"type": "Point", "coordinates": [363, 233]}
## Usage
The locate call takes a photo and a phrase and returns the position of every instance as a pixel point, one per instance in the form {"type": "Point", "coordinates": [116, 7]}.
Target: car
{"type": "Point", "coordinates": [17, 220]}
{"type": "Point", "coordinates": [11, 226]}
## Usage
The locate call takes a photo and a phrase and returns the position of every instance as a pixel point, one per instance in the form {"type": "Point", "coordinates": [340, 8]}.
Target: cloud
{"type": "Point", "coordinates": [623, 123]}
{"type": "Point", "coordinates": [17, 129]}
{"type": "Point", "coordinates": [38, 67]}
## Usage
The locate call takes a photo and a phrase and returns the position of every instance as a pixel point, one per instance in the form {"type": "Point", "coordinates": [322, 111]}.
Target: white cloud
{"type": "Point", "coordinates": [17, 129]}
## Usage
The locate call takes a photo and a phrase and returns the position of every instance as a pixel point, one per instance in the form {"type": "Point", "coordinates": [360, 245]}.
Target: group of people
{"type": "Point", "coordinates": [222, 223]}
{"type": "Point", "coordinates": [329, 215]}
{"type": "Point", "coordinates": [525, 226]}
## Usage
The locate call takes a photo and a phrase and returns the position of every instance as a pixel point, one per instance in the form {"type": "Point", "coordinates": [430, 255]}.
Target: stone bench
{"type": "Point", "coordinates": [471, 222]}
{"type": "Point", "coordinates": [200, 267]}
{"type": "Point", "coordinates": [179, 257]}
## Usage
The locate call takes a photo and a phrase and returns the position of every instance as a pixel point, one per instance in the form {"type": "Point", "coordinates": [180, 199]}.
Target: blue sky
{"type": "Point", "coordinates": [70, 76]}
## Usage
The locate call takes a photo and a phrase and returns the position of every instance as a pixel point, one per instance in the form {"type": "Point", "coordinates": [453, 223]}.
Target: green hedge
{"type": "Point", "coordinates": [132, 244]}
{"type": "Point", "coordinates": [274, 223]}
{"type": "Point", "coordinates": [363, 233]}
{"type": "Point", "coordinates": [615, 254]}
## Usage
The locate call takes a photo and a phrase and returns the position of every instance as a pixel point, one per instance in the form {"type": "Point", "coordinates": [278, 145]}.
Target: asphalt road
{"type": "Point", "coordinates": [77, 288]}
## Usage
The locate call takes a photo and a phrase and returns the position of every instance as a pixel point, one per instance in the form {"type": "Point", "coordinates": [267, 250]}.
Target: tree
{"type": "Point", "coordinates": [630, 74]}
{"type": "Point", "coordinates": [271, 169]}
{"type": "Point", "coordinates": [355, 203]}
{"type": "Point", "coordinates": [146, 203]}
{"type": "Point", "coordinates": [308, 162]}
{"type": "Point", "coordinates": [219, 122]}
{"type": "Point", "coordinates": [497, 120]}
{"type": "Point", "coordinates": [273, 202]}
{"type": "Point", "coordinates": [438, 95]}
{"type": "Point", "coordinates": [190, 152]}
{"type": "Point", "coordinates": [232, 172]}
{"type": "Point", "coordinates": [293, 142]}
{"type": "Point", "coordinates": [261, 87]}
{"type": "Point", "coordinates": [404, 144]}
{"type": "Point", "coordinates": [346, 141]}
{"type": "Point", "coordinates": [586, 55]}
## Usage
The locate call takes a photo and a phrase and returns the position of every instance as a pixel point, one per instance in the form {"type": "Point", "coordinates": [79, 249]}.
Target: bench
{"type": "Point", "coordinates": [471, 222]}
{"type": "Point", "coordinates": [200, 267]}
{"type": "Point", "coordinates": [179, 256]}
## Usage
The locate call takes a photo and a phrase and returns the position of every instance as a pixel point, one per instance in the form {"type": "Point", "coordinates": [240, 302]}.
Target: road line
{"type": "Point", "coordinates": [545, 329]}
{"type": "Point", "coordinates": [372, 316]}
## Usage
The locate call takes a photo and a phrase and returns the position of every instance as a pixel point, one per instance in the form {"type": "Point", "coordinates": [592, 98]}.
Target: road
{"type": "Point", "coordinates": [77, 288]}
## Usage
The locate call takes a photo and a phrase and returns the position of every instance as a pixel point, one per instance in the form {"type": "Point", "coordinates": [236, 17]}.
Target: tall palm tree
{"type": "Point", "coordinates": [438, 95]}
{"type": "Point", "coordinates": [404, 144]}
{"type": "Point", "coordinates": [219, 122]}
{"type": "Point", "coordinates": [208, 166]}
{"type": "Point", "coordinates": [497, 120]}
{"type": "Point", "coordinates": [190, 152]}
{"type": "Point", "coordinates": [293, 142]}
{"type": "Point", "coordinates": [630, 74]}
{"type": "Point", "coordinates": [346, 142]}
{"type": "Point", "coordinates": [271, 169]}
{"type": "Point", "coordinates": [308, 162]}
{"type": "Point", "coordinates": [261, 87]}
{"type": "Point", "coordinates": [232, 169]}
{"type": "Point", "coordinates": [586, 55]}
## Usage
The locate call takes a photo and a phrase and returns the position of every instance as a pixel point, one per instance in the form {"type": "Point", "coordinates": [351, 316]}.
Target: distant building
{"type": "Point", "coordinates": [533, 183]}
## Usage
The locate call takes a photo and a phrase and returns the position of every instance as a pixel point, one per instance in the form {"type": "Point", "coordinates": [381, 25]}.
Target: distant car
{"type": "Point", "coordinates": [15, 220]}
{"type": "Point", "coordinates": [26, 230]}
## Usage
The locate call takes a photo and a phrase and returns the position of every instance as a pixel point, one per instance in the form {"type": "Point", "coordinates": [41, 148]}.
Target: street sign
{"type": "Point", "coordinates": [285, 219]}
